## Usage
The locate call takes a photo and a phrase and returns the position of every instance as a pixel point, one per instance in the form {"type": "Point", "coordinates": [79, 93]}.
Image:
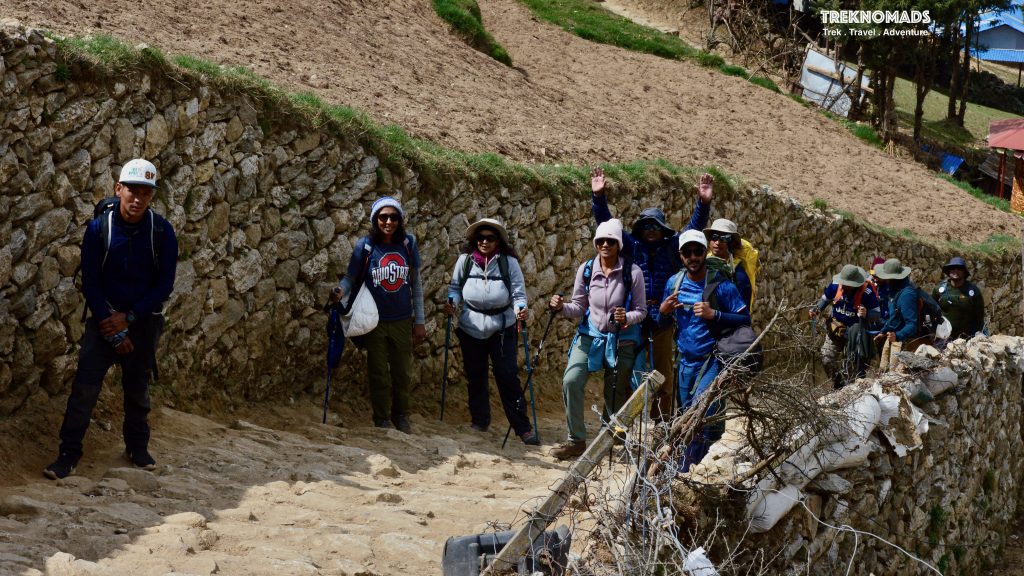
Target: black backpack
{"type": "Point", "coordinates": [105, 210]}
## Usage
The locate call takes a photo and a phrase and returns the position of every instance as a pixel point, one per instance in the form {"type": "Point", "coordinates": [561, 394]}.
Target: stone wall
{"type": "Point", "coordinates": [930, 460]}
{"type": "Point", "coordinates": [267, 207]}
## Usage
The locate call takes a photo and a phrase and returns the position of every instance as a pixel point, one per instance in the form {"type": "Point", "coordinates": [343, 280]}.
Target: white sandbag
{"type": "Point", "coordinates": [801, 466]}
{"type": "Point", "coordinates": [863, 416]}
{"type": "Point", "coordinates": [940, 380]}
{"type": "Point", "coordinates": [849, 453]}
{"type": "Point", "coordinates": [889, 405]}
{"type": "Point", "coordinates": [697, 564]}
{"type": "Point", "coordinates": [766, 508]}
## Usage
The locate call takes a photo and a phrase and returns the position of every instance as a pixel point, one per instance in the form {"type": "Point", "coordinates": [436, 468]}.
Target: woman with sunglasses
{"type": "Point", "coordinates": [739, 256]}
{"type": "Point", "coordinates": [489, 284]}
{"type": "Point", "coordinates": [608, 334]}
{"type": "Point", "coordinates": [386, 262]}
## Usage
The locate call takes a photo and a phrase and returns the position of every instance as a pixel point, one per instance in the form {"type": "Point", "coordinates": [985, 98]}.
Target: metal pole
{"type": "Point", "coordinates": [447, 345]}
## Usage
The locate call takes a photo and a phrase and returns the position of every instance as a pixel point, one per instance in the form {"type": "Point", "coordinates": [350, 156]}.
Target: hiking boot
{"type": "Point", "coordinates": [402, 423]}
{"type": "Point", "coordinates": [530, 438]}
{"type": "Point", "coordinates": [140, 458]}
{"type": "Point", "coordinates": [478, 427]}
{"type": "Point", "coordinates": [62, 467]}
{"type": "Point", "coordinates": [569, 449]}
{"type": "Point", "coordinates": [382, 423]}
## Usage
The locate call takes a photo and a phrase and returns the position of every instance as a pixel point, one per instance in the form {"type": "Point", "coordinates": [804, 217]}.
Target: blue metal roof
{"type": "Point", "coordinates": [1011, 17]}
{"type": "Point", "coordinates": [1000, 55]}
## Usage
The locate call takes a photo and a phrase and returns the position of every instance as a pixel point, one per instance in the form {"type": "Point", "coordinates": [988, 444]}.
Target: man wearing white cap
{"type": "Point", "coordinates": [703, 305]}
{"type": "Point", "coordinates": [129, 259]}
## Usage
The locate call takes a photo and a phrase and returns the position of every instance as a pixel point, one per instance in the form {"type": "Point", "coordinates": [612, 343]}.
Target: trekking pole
{"type": "Point", "coordinates": [615, 388]}
{"type": "Point", "coordinates": [447, 345]}
{"type": "Point", "coordinates": [529, 373]}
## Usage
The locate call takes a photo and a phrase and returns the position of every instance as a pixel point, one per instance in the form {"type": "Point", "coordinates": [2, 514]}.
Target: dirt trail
{"type": "Point", "coordinates": [567, 99]}
{"type": "Point", "coordinates": [238, 498]}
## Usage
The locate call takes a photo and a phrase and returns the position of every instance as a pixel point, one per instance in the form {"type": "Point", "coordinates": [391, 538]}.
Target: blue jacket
{"type": "Point", "coordinates": [658, 261]}
{"type": "Point", "coordinates": [693, 334]}
{"type": "Point", "coordinates": [902, 310]}
{"type": "Point", "coordinates": [129, 279]}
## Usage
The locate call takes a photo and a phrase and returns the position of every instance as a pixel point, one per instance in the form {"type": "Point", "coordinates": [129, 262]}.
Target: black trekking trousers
{"type": "Point", "coordinates": [500, 348]}
{"type": "Point", "coordinates": [94, 360]}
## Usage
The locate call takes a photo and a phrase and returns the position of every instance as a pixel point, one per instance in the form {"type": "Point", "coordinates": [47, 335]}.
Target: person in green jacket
{"type": "Point", "coordinates": [961, 301]}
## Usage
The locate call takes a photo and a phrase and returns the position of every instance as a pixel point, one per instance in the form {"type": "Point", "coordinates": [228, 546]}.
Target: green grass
{"type": "Point", "coordinates": [863, 131]}
{"type": "Point", "coordinates": [465, 18]}
{"type": "Point", "coordinates": [196, 64]}
{"type": "Point", "coordinates": [994, 201]}
{"type": "Point", "coordinates": [588, 20]}
{"type": "Point", "coordinates": [934, 125]}
{"type": "Point", "coordinates": [820, 204]}
{"type": "Point", "coordinates": [765, 83]}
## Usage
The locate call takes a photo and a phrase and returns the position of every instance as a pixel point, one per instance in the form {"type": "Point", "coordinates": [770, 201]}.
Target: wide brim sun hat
{"type": "Point", "coordinates": [487, 223]}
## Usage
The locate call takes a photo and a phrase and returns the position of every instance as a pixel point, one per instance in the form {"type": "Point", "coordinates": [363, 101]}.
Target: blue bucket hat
{"type": "Point", "coordinates": [957, 262]}
{"type": "Point", "coordinates": [654, 215]}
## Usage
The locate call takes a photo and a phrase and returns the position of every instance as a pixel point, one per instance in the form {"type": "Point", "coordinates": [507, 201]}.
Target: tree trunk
{"type": "Point", "coordinates": [965, 70]}
{"type": "Point", "coordinates": [954, 79]}
{"type": "Point", "coordinates": [891, 126]}
{"type": "Point", "coordinates": [855, 94]}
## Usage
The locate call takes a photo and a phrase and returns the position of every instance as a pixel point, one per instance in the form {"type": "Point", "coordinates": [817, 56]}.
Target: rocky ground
{"type": "Point", "coordinates": [566, 99]}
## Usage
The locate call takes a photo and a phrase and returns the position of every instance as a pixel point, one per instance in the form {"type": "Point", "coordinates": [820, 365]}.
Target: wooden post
{"type": "Point", "coordinates": [545, 514]}
{"type": "Point", "coordinates": [1002, 172]}
{"type": "Point", "coordinates": [1020, 67]}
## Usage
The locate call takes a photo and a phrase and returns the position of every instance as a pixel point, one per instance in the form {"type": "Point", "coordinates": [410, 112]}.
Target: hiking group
{"type": "Point", "coordinates": [642, 289]}
{"type": "Point", "coordinates": [883, 312]}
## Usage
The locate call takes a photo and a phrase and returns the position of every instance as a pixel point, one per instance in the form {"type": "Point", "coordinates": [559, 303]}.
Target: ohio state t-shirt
{"type": "Point", "coordinates": [388, 279]}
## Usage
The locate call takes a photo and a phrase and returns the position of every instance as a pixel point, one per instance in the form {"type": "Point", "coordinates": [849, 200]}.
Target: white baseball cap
{"type": "Point", "coordinates": [692, 236]}
{"type": "Point", "coordinates": [138, 171]}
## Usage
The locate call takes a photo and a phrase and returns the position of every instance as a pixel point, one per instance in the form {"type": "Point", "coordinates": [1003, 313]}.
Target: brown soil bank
{"type": "Point", "coordinates": [568, 100]}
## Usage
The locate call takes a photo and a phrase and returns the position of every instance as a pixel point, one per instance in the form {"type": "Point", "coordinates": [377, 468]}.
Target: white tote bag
{"type": "Point", "coordinates": [362, 317]}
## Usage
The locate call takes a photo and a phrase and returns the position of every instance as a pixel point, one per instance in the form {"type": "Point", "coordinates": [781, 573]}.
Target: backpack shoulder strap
{"type": "Point", "coordinates": [679, 281]}
{"type": "Point", "coordinates": [505, 276]}
{"type": "Point", "coordinates": [710, 287]}
{"type": "Point", "coordinates": [627, 280]}
{"type": "Point", "coordinates": [467, 266]}
{"type": "Point", "coordinates": [588, 274]}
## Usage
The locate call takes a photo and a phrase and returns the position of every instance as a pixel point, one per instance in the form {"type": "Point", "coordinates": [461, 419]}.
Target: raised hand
{"type": "Point", "coordinates": [597, 181]}
{"type": "Point", "coordinates": [705, 188]}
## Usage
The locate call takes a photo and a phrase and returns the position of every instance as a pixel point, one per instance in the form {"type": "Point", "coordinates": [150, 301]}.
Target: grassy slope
{"type": "Point", "coordinates": [976, 120]}
{"type": "Point", "coordinates": [396, 148]}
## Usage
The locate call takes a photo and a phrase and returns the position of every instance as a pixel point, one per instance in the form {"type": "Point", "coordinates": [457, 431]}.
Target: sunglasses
{"type": "Point", "coordinates": [720, 237]}
{"type": "Point", "coordinates": [486, 238]}
{"type": "Point", "coordinates": [605, 241]}
{"type": "Point", "coordinates": [389, 218]}
{"type": "Point", "coordinates": [650, 227]}
{"type": "Point", "coordinates": [691, 252]}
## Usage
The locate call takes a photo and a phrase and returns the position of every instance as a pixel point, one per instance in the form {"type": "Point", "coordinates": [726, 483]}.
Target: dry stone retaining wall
{"type": "Point", "coordinates": [939, 478]}
{"type": "Point", "coordinates": [267, 207]}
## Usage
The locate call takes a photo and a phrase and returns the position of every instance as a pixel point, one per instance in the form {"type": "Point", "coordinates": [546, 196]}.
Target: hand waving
{"type": "Point", "coordinates": [705, 188]}
{"type": "Point", "coordinates": [597, 181]}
